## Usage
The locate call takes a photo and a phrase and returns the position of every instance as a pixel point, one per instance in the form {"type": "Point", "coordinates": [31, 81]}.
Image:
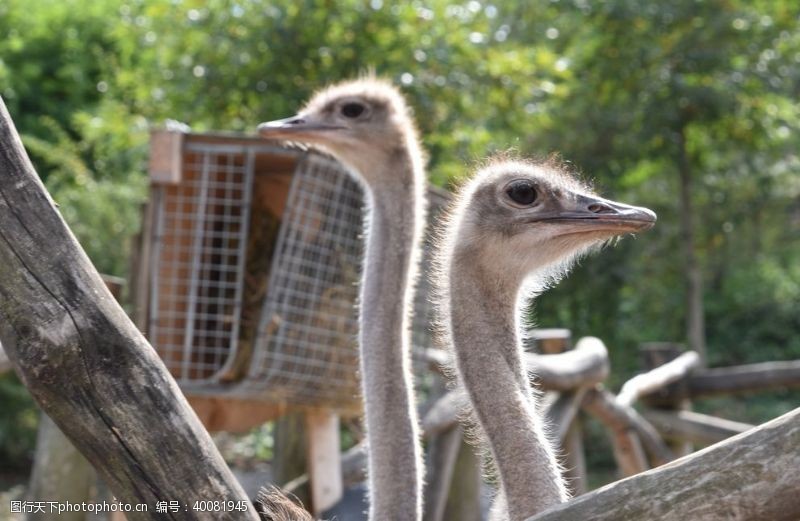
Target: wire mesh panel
{"type": "Point", "coordinates": [199, 248]}
{"type": "Point", "coordinates": [306, 347]}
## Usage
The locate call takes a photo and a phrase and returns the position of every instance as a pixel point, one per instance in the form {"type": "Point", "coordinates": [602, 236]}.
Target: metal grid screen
{"type": "Point", "coordinates": [305, 326]}
{"type": "Point", "coordinates": [199, 250]}
{"type": "Point", "coordinates": [306, 345]}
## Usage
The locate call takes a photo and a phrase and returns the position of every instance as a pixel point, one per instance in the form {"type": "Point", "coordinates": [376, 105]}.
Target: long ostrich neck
{"type": "Point", "coordinates": [395, 471]}
{"type": "Point", "coordinates": [482, 307]}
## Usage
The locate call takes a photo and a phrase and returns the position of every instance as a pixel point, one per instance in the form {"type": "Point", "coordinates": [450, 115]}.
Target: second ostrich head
{"type": "Point", "coordinates": [515, 224]}
{"type": "Point", "coordinates": [526, 219]}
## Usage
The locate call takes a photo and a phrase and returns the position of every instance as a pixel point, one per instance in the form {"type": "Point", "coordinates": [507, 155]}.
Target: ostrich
{"type": "Point", "coordinates": [515, 229]}
{"type": "Point", "coordinates": [366, 125]}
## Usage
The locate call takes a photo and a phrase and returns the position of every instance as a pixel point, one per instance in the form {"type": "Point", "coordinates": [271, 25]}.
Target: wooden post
{"type": "Point", "coordinates": [551, 342]}
{"type": "Point", "coordinates": [674, 397]}
{"type": "Point", "coordinates": [86, 364]}
{"type": "Point", "coordinates": [290, 454]}
{"type": "Point", "coordinates": [324, 459]}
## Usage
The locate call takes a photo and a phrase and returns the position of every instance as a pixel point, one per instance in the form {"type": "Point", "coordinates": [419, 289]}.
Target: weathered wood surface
{"type": "Point", "coordinates": [752, 476]}
{"type": "Point", "coordinates": [585, 365]}
{"type": "Point", "coordinates": [658, 378]}
{"type": "Point", "coordinates": [86, 364]}
{"type": "Point", "coordinates": [694, 427]}
{"type": "Point", "coordinates": [744, 378]}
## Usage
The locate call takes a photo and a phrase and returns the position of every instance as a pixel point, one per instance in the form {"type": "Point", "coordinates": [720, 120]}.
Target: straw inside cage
{"type": "Point", "coordinates": [306, 345]}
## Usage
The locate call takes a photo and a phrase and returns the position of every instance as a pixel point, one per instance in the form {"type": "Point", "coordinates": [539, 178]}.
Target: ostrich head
{"type": "Point", "coordinates": [363, 123]}
{"type": "Point", "coordinates": [523, 218]}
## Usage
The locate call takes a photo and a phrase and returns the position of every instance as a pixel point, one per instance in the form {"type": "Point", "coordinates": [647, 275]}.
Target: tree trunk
{"type": "Point", "coordinates": [89, 368]}
{"type": "Point", "coordinates": [695, 315]}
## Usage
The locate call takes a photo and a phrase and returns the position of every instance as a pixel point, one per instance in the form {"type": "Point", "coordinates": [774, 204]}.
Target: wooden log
{"type": "Point", "coordinates": [86, 364]}
{"type": "Point", "coordinates": [744, 379]}
{"type": "Point", "coordinates": [751, 476]}
{"type": "Point", "coordinates": [693, 426]}
{"type": "Point", "coordinates": [585, 365]}
{"type": "Point", "coordinates": [658, 378]}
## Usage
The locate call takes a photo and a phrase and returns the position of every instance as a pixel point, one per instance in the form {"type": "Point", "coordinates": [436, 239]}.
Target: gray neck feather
{"type": "Point", "coordinates": [394, 229]}
{"type": "Point", "coordinates": [484, 333]}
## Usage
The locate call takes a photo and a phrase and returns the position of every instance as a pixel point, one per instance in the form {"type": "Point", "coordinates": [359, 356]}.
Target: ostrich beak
{"type": "Point", "coordinates": [293, 128]}
{"type": "Point", "coordinates": [595, 214]}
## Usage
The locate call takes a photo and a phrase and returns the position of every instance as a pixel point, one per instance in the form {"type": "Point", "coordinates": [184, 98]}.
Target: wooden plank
{"type": "Point", "coordinates": [87, 365]}
{"type": "Point", "coordinates": [694, 427]}
{"type": "Point", "coordinates": [658, 378]}
{"type": "Point", "coordinates": [166, 148]}
{"type": "Point", "coordinates": [748, 378]}
{"type": "Point", "coordinates": [752, 476]}
{"type": "Point", "coordinates": [324, 459]}
{"type": "Point", "coordinates": [233, 414]}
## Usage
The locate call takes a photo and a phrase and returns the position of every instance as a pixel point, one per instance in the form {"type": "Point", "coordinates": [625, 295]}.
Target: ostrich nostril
{"type": "Point", "coordinates": [600, 208]}
{"type": "Point", "coordinates": [296, 121]}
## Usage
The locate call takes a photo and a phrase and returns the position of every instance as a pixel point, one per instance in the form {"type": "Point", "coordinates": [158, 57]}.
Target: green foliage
{"type": "Point", "coordinates": [18, 421]}
{"type": "Point", "coordinates": [610, 84]}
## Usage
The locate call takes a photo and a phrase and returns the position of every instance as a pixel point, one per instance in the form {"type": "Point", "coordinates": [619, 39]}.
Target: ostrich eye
{"type": "Point", "coordinates": [352, 110]}
{"type": "Point", "coordinates": [522, 192]}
